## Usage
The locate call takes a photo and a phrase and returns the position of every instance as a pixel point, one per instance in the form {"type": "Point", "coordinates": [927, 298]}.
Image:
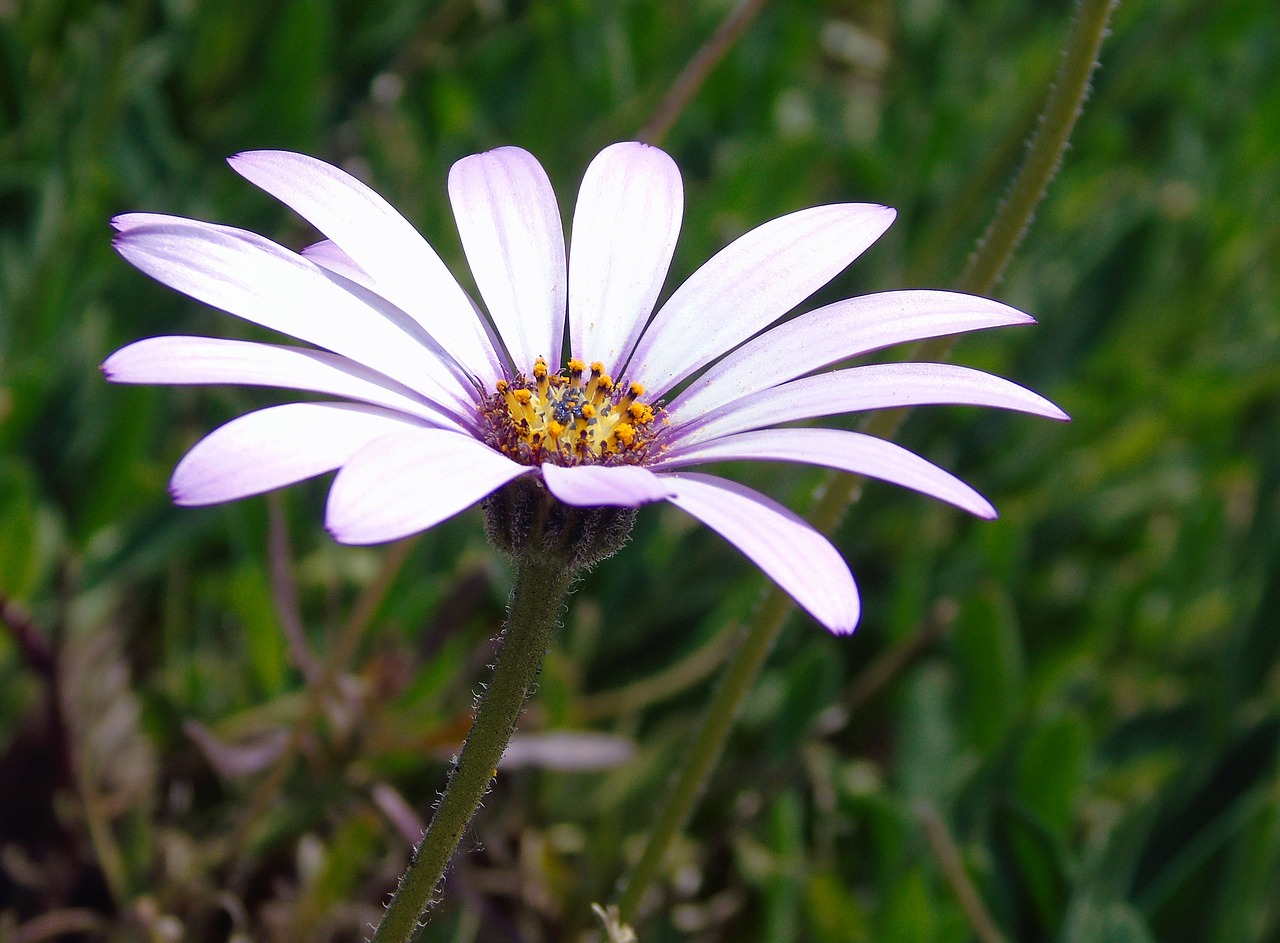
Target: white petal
{"type": "Point", "coordinates": [837, 332]}
{"type": "Point", "coordinates": [206, 360]}
{"type": "Point", "coordinates": [627, 486]}
{"type": "Point", "coordinates": [253, 278]}
{"type": "Point", "coordinates": [836, 448]}
{"type": "Point", "coordinates": [624, 233]}
{"type": "Point", "coordinates": [794, 555]}
{"type": "Point", "coordinates": [384, 244]}
{"type": "Point", "coordinates": [514, 240]}
{"type": "Point", "coordinates": [410, 481]}
{"type": "Point", "coordinates": [277, 446]}
{"type": "Point", "coordinates": [327, 254]}
{"type": "Point", "coordinates": [750, 284]}
{"type": "Point", "coordinates": [877, 386]}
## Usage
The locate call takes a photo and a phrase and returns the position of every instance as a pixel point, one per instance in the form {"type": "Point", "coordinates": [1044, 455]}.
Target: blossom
{"type": "Point", "coordinates": [436, 403]}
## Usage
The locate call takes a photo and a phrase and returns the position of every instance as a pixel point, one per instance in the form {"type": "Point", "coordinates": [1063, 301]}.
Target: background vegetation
{"type": "Point", "coordinates": [1083, 698]}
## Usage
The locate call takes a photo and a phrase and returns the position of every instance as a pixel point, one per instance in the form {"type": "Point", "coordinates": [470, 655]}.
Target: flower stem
{"type": "Point", "coordinates": [839, 492]}
{"type": "Point", "coordinates": [540, 588]}
{"type": "Point", "coordinates": [1066, 101]}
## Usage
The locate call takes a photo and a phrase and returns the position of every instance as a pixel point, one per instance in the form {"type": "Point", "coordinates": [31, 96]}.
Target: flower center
{"type": "Point", "coordinates": [570, 418]}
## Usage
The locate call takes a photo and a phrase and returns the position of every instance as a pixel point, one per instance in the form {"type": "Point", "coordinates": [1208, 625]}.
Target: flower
{"type": "Point", "coordinates": [438, 405]}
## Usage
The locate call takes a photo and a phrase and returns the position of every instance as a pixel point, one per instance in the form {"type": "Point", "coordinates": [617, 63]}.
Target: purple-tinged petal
{"type": "Point", "coordinates": [627, 486]}
{"type": "Point", "coordinates": [624, 233]}
{"type": "Point", "coordinates": [568, 750]}
{"type": "Point", "coordinates": [410, 481]}
{"type": "Point", "coordinates": [750, 284]}
{"type": "Point", "coordinates": [384, 244]}
{"type": "Point", "coordinates": [790, 552]}
{"type": "Point", "coordinates": [877, 386]}
{"type": "Point", "coordinates": [180, 359]}
{"type": "Point", "coordinates": [326, 254]}
{"type": "Point", "coordinates": [835, 448]}
{"type": "Point", "coordinates": [511, 232]}
{"type": "Point", "coordinates": [127, 221]}
{"type": "Point", "coordinates": [255, 279]}
{"type": "Point", "coordinates": [837, 332]}
{"type": "Point", "coordinates": [277, 446]}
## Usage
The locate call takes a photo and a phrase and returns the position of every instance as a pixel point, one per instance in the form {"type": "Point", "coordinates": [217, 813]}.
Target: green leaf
{"type": "Point", "coordinates": [249, 597]}
{"type": "Point", "coordinates": [910, 913]}
{"type": "Point", "coordinates": [1051, 772]}
{"type": "Point", "coordinates": [1049, 780]}
{"type": "Point", "coordinates": [1092, 920]}
{"type": "Point", "coordinates": [19, 560]}
{"type": "Point", "coordinates": [833, 912]}
{"type": "Point", "coordinates": [987, 646]}
{"type": "Point", "coordinates": [927, 751]}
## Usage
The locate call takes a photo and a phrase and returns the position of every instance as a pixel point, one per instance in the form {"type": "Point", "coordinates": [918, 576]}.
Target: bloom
{"type": "Point", "coordinates": [439, 404]}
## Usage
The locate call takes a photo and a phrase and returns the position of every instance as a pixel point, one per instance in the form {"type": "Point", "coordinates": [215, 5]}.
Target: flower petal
{"type": "Point", "coordinates": [877, 386]}
{"type": "Point", "coordinates": [255, 279]}
{"type": "Point", "coordinates": [277, 446]}
{"type": "Point", "coordinates": [326, 253]}
{"type": "Point", "coordinates": [794, 555]}
{"type": "Point", "coordinates": [837, 332]}
{"type": "Point", "coordinates": [410, 481]}
{"type": "Point", "coordinates": [624, 233]}
{"type": "Point", "coordinates": [750, 284]}
{"type": "Point", "coordinates": [836, 448]}
{"type": "Point", "coordinates": [511, 231]}
{"type": "Point", "coordinates": [205, 360]}
{"type": "Point", "coordinates": [384, 244]}
{"type": "Point", "coordinates": [627, 486]}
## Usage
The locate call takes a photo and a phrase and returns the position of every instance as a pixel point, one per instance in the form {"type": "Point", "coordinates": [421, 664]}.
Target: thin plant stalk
{"type": "Point", "coordinates": [699, 68]}
{"type": "Point", "coordinates": [536, 601]}
{"type": "Point", "coordinates": [839, 492]}
{"type": "Point", "coordinates": [335, 663]}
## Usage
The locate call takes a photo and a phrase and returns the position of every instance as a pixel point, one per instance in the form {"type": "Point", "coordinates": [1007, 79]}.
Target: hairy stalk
{"type": "Point", "coordinates": [540, 589]}
{"type": "Point", "coordinates": [839, 492]}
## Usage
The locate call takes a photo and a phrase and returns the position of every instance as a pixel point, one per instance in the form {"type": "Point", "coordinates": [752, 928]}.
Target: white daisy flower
{"type": "Point", "coordinates": [438, 404]}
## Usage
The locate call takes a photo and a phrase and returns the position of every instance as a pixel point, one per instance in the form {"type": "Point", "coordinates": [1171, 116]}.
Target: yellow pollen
{"type": "Point", "coordinates": [568, 418]}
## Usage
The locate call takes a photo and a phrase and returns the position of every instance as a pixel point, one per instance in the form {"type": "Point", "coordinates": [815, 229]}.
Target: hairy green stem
{"type": "Point", "coordinates": [540, 588]}
{"type": "Point", "coordinates": [839, 492]}
{"type": "Point", "coordinates": [1066, 102]}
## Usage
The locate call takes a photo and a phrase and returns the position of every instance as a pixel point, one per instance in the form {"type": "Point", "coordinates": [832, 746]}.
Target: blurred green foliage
{"type": "Point", "coordinates": [1092, 693]}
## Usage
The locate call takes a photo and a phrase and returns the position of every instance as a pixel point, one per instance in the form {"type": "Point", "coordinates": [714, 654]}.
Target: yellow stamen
{"type": "Point", "coordinates": [569, 418]}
